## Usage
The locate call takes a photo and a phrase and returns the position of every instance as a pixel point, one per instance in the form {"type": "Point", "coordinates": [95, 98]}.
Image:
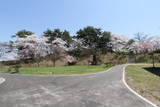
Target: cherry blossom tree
{"type": "Point", "coordinates": [7, 52]}
{"type": "Point", "coordinates": [119, 42]}
{"type": "Point", "coordinates": [145, 44]}
{"type": "Point", "coordinates": [71, 60]}
{"type": "Point", "coordinates": [54, 53]}
{"type": "Point", "coordinates": [155, 48]}
{"type": "Point", "coordinates": [32, 47]}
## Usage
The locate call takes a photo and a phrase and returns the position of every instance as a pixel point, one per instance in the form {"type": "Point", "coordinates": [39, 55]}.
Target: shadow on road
{"type": "Point", "coordinates": [155, 70]}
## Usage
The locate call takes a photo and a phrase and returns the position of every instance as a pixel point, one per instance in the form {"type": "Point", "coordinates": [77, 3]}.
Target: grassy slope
{"type": "Point", "coordinates": [144, 82]}
{"type": "Point", "coordinates": [63, 70]}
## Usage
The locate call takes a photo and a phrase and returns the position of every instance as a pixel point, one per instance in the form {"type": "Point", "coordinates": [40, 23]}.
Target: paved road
{"type": "Point", "coordinates": [97, 90]}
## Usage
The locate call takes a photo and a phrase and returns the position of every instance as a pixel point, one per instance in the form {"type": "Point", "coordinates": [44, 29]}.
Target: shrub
{"type": "Point", "coordinates": [71, 60]}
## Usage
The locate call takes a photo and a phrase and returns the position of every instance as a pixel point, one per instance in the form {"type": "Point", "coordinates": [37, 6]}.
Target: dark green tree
{"type": "Point", "coordinates": [76, 52]}
{"type": "Point", "coordinates": [49, 34]}
{"type": "Point", "coordinates": [56, 33]}
{"type": "Point", "coordinates": [130, 42]}
{"type": "Point", "coordinates": [23, 33]}
{"type": "Point", "coordinates": [66, 37]}
{"type": "Point", "coordinates": [129, 45]}
{"type": "Point", "coordinates": [55, 51]}
{"type": "Point", "coordinates": [90, 36]}
{"type": "Point", "coordinates": [104, 42]}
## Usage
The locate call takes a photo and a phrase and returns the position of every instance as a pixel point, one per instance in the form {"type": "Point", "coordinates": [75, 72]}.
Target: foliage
{"type": "Point", "coordinates": [23, 34]}
{"type": "Point", "coordinates": [71, 60]}
{"type": "Point", "coordinates": [56, 33]}
{"type": "Point", "coordinates": [54, 53]}
{"type": "Point", "coordinates": [90, 36]}
{"type": "Point", "coordinates": [49, 34]}
{"type": "Point", "coordinates": [94, 39]}
{"type": "Point", "coordinates": [118, 43]}
{"type": "Point", "coordinates": [66, 37]}
{"type": "Point", "coordinates": [32, 48]}
{"type": "Point", "coordinates": [88, 42]}
{"type": "Point", "coordinates": [104, 42]}
{"type": "Point", "coordinates": [76, 52]}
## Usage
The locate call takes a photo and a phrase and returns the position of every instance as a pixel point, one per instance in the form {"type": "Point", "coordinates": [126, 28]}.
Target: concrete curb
{"type": "Point", "coordinates": [2, 80]}
{"type": "Point", "coordinates": [124, 81]}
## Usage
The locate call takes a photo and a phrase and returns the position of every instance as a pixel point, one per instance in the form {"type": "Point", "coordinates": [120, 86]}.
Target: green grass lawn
{"type": "Point", "coordinates": [145, 80]}
{"type": "Point", "coordinates": [63, 70]}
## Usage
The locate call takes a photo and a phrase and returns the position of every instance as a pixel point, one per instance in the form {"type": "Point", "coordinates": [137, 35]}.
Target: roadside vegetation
{"type": "Point", "coordinates": [89, 46]}
{"type": "Point", "coordinates": [62, 70]}
{"type": "Point", "coordinates": [145, 79]}
{"type": "Point", "coordinates": [90, 50]}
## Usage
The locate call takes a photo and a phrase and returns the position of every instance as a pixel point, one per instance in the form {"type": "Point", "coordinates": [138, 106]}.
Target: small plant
{"type": "Point", "coordinates": [9, 70]}
{"type": "Point", "coordinates": [16, 67]}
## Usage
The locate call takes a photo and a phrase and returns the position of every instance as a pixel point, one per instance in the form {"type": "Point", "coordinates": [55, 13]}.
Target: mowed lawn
{"type": "Point", "coordinates": [63, 70]}
{"type": "Point", "coordinates": [145, 80]}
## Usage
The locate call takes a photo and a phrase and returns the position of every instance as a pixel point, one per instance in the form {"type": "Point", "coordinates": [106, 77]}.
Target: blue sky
{"type": "Point", "coordinates": [118, 16]}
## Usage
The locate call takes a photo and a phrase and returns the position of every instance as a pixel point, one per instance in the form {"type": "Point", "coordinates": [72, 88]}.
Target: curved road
{"type": "Point", "coordinates": [96, 90]}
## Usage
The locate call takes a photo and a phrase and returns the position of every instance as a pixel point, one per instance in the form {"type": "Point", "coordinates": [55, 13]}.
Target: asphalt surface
{"type": "Point", "coordinates": [96, 90]}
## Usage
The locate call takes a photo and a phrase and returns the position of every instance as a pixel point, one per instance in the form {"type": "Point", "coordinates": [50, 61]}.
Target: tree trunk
{"type": "Point", "coordinates": [38, 63]}
{"type": "Point", "coordinates": [136, 58]}
{"type": "Point", "coordinates": [153, 60]}
{"type": "Point", "coordinates": [94, 60]}
{"type": "Point", "coordinates": [54, 60]}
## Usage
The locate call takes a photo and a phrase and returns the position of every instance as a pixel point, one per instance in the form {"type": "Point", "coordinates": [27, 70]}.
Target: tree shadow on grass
{"type": "Point", "coordinates": [155, 70]}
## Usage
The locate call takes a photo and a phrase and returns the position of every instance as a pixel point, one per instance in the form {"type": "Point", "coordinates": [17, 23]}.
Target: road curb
{"type": "Point", "coordinates": [124, 81]}
{"type": "Point", "coordinates": [2, 80]}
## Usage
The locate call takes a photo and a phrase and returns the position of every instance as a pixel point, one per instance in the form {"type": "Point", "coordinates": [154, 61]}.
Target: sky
{"type": "Point", "coordinates": [126, 17]}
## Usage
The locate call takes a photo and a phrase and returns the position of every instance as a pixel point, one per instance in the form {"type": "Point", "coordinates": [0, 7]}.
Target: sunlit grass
{"type": "Point", "coordinates": [144, 81]}
{"type": "Point", "coordinates": [63, 70]}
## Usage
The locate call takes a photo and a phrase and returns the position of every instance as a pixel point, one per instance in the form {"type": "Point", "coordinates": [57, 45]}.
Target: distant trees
{"type": "Point", "coordinates": [119, 43]}
{"type": "Point", "coordinates": [143, 43]}
{"type": "Point", "coordinates": [2, 50]}
{"type": "Point", "coordinates": [71, 60]}
{"type": "Point", "coordinates": [90, 38]}
{"type": "Point", "coordinates": [32, 48]}
{"type": "Point", "coordinates": [54, 53]}
{"type": "Point", "coordinates": [105, 42]}
{"type": "Point", "coordinates": [94, 39]}
{"type": "Point", "coordinates": [51, 35]}
{"type": "Point", "coordinates": [66, 37]}
{"type": "Point", "coordinates": [89, 41]}
{"type": "Point", "coordinates": [54, 43]}
{"type": "Point", "coordinates": [130, 46]}
{"type": "Point", "coordinates": [20, 34]}
{"type": "Point", "coordinates": [146, 45]}
{"type": "Point", "coordinates": [156, 48]}
{"type": "Point", "coordinates": [56, 33]}
{"type": "Point", "coordinates": [23, 33]}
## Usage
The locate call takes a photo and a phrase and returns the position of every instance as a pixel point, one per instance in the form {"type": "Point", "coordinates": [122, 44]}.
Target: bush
{"type": "Point", "coordinates": [16, 67]}
{"type": "Point", "coordinates": [71, 60]}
